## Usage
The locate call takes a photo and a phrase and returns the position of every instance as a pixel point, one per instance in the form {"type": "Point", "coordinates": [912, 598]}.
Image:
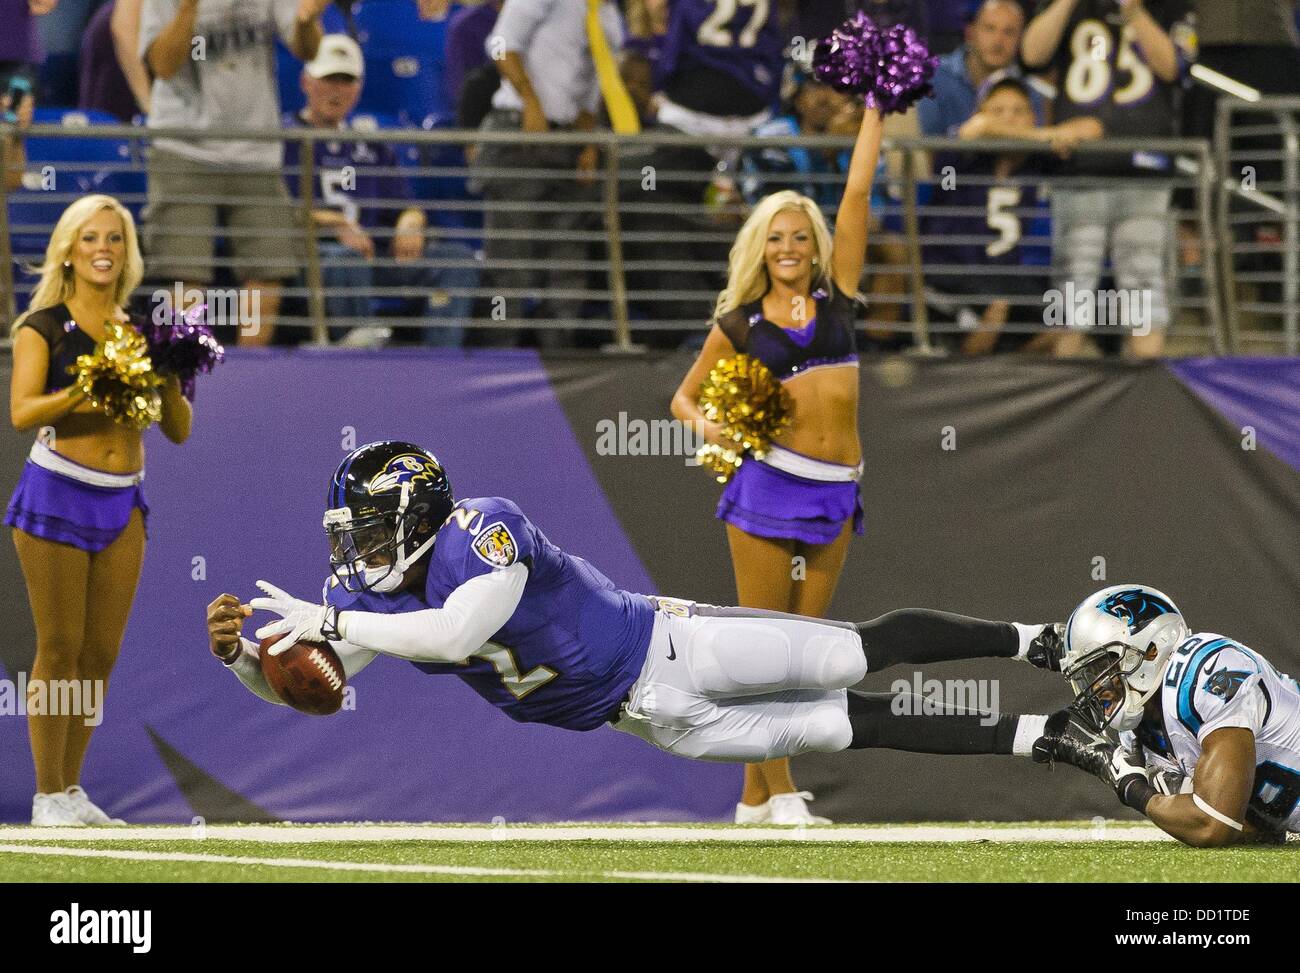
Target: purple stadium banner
{"type": "Point", "coordinates": [1262, 393]}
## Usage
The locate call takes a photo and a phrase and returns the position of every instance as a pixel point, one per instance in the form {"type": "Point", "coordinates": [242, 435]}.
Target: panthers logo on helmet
{"type": "Point", "coordinates": [1225, 682]}
{"type": "Point", "coordinates": [496, 546]}
{"type": "Point", "coordinates": [1136, 607]}
{"type": "Point", "coordinates": [405, 468]}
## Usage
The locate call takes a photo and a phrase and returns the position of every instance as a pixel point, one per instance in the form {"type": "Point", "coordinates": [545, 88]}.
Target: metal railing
{"type": "Point", "coordinates": [633, 250]}
{"type": "Point", "coordinates": [1257, 149]}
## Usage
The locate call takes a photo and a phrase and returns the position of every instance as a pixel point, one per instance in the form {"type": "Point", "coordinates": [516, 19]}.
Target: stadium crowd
{"type": "Point", "coordinates": [405, 244]}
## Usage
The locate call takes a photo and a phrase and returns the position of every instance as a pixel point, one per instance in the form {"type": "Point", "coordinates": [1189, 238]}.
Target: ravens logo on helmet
{"type": "Point", "coordinates": [385, 504]}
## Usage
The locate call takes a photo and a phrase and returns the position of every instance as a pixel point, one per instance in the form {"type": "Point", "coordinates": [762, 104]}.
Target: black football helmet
{"type": "Point", "coordinates": [385, 504]}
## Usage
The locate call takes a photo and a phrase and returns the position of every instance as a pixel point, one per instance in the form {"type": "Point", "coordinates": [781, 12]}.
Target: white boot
{"type": "Point", "coordinates": [792, 809]}
{"type": "Point", "coordinates": [55, 811]}
{"type": "Point", "coordinates": [754, 813]}
{"type": "Point", "coordinates": [87, 811]}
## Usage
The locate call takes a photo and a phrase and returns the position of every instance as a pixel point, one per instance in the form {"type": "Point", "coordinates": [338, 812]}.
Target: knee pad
{"type": "Point", "coordinates": [730, 656]}
{"type": "Point", "coordinates": [843, 660]}
{"type": "Point", "coordinates": [827, 729]}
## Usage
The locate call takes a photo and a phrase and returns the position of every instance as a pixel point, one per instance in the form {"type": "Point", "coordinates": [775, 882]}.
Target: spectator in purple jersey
{"type": "Point", "coordinates": [20, 43]}
{"type": "Point", "coordinates": [102, 86]}
{"type": "Point", "coordinates": [711, 78]}
{"type": "Point", "coordinates": [992, 44]}
{"type": "Point", "coordinates": [1010, 210]}
{"type": "Point", "coordinates": [374, 235]}
{"type": "Point", "coordinates": [722, 77]}
{"type": "Point", "coordinates": [467, 33]}
{"type": "Point", "coordinates": [1120, 61]}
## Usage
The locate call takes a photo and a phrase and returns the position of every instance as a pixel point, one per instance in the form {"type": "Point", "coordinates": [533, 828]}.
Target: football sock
{"type": "Point", "coordinates": [879, 722]}
{"type": "Point", "coordinates": [919, 636]}
{"type": "Point", "coordinates": [1025, 634]}
{"type": "Point", "coordinates": [1028, 729]}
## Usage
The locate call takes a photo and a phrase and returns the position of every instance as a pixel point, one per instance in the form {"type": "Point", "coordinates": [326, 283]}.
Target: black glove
{"type": "Point", "coordinates": [1066, 740]}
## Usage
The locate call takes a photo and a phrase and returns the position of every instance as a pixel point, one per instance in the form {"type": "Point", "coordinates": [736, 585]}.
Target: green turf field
{"type": "Point", "coordinates": [694, 853]}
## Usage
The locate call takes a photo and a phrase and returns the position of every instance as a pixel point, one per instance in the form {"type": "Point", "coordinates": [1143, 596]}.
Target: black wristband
{"type": "Point", "coordinates": [1136, 792]}
{"type": "Point", "coordinates": [229, 660]}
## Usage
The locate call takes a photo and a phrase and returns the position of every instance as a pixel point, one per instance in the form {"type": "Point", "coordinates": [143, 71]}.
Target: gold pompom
{"type": "Point", "coordinates": [753, 407]}
{"type": "Point", "coordinates": [118, 377]}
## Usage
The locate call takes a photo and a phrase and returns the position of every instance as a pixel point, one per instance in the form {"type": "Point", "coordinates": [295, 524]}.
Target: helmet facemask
{"type": "Point", "coordinates": [1105, 695]}
{"type": "Point", "coordinates": [374, 552]}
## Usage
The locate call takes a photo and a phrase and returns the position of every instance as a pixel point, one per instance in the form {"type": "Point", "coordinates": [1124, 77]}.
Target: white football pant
{"type": "Point", "coordinates": [741, 685]}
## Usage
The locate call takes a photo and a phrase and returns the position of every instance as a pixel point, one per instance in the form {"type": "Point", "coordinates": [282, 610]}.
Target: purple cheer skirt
{"type": "Point", "coordinates": [59, 508]}
{"type": "Point", "coordinates": [768, 502]}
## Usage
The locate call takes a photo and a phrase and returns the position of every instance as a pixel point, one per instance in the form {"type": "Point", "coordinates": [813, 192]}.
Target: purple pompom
{"type": "Point", "coordinates": [184, 347]}
{"type": "Point", "coordinates": [891, 67]}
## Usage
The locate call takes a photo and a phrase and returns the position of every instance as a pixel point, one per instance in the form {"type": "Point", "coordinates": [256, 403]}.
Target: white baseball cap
{"type": "Point", "coordinates": [338, 54]}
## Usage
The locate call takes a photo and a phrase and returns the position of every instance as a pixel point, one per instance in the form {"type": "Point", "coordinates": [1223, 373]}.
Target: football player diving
{"type": "Point", "coordinates": [474, 589]}
{"type": "Point", "coordinates": [1208, 743]}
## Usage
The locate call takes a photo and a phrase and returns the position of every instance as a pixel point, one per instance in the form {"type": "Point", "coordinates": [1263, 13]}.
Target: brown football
{"type": "Point", "coordinates": [308, 675]}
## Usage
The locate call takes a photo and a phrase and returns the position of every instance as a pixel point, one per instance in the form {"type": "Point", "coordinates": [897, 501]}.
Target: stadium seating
{"type": "Point", "coordinates": [437, 187]}
{"type": "Point", "coordinates": [404, 59]}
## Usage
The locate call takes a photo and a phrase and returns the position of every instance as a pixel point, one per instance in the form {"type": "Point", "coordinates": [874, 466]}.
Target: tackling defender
{"type": "Point", "coordinates": [1185, 704]}
{"type": "Point", "coordinates": [474, 589]}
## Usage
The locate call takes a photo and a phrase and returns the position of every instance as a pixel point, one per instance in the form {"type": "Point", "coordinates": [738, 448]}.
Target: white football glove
{"type": "Point", "coordinates": [1168, 781]}
{"type": "Point", "coordinates": [1125, 763]}
{"type": "Point", "coordinates": [1126, 773]}
{"type": "Point", "coordinates": [303, 620]}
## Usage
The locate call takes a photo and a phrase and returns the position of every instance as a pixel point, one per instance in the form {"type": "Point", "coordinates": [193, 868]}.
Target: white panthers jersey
{"type": "Point", "coordinates": [1213, 682]}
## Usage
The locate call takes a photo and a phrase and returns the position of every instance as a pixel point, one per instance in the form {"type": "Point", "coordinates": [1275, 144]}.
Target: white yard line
{"type": "Point", "coordinates": [381, 868]}
{"type": "Point", "coordinates": [311, 833]}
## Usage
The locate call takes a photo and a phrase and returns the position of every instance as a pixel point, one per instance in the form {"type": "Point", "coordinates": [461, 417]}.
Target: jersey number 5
{"type": "Point", "coordinates": [1002, 218]}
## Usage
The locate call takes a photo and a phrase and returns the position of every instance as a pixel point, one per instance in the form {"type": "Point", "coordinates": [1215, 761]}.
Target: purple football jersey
{"type": "Point", "coordinates": [742, 42]}
{"type": "Point", "coordinates": [1101, 72]}
{"type": "Point", "coordinates": [358, 178]}
{"type": "Point", "coordinates": [574, 645]}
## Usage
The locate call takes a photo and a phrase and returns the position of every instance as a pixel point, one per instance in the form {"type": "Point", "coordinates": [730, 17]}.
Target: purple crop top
{"type": "Point", "coordinates": [828, 339]}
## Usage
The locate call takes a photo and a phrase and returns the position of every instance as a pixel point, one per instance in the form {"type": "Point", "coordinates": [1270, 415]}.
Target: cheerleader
{"type": "Point", "coordinates": [78, 512]}
{"type": "Point", "coordinates": [789, 303]}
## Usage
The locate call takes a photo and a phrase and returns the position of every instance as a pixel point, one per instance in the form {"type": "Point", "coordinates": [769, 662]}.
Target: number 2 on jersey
{"type": "Point", "coordinates": [507, 666]}
{"type": "Point", "coordinates": [712, 33]}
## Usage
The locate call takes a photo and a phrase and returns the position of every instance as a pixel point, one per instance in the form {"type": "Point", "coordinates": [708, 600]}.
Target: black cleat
{"type": "Point", "coordinates": [1066, 741]}
{"type": "Point", "coordinates": [1046, 649]}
